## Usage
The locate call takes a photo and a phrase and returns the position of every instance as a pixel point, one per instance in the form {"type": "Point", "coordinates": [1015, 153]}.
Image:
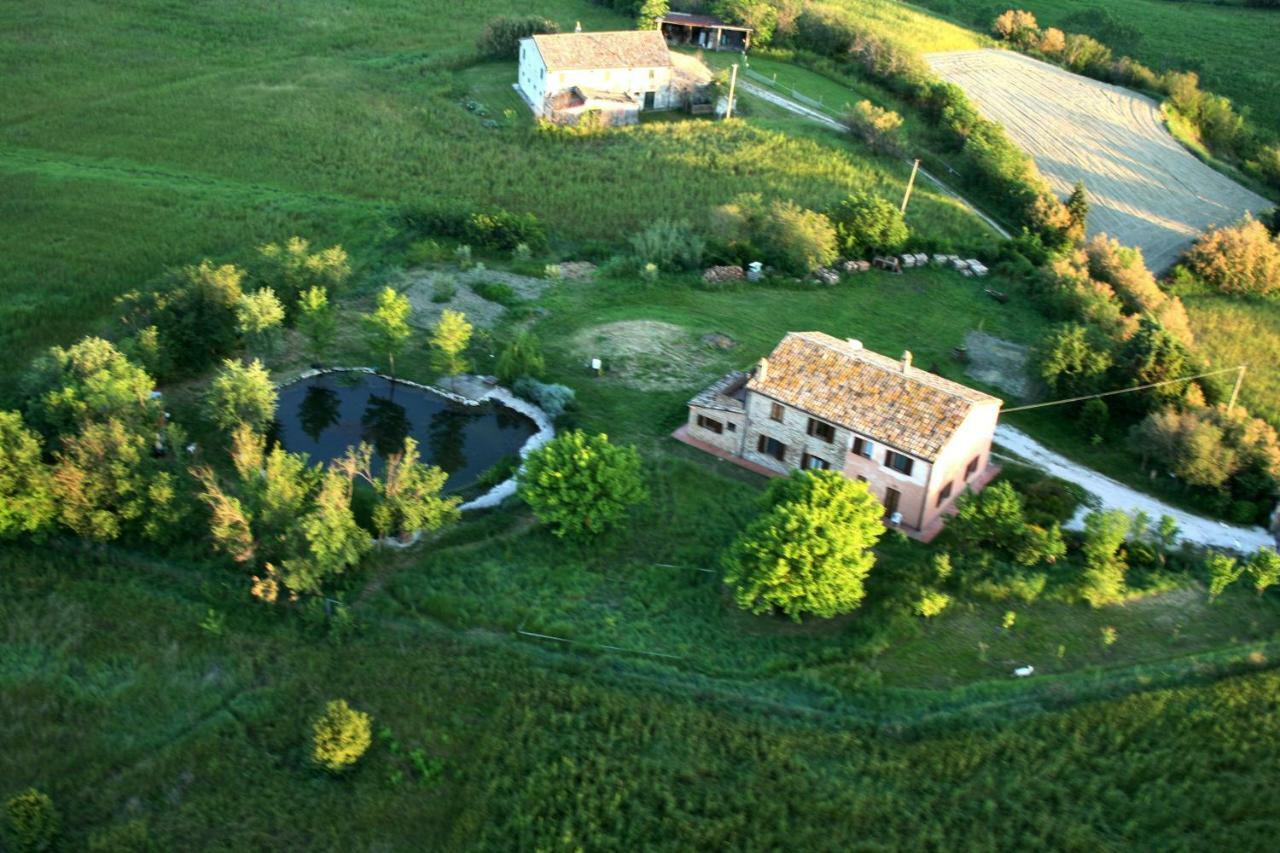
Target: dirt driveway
{"type": "Point", "coordinates": [1145, 189]}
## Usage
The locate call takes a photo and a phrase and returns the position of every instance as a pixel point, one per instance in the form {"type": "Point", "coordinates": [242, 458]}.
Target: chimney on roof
{"type": "Point", "coordinates": [577, 26]}
{"type": "Point", "coordinates": [762, 370]}
{"type": "Point", "coordinates": [906, 360]}
{"type": "Point", "coordinates": [854, 343]}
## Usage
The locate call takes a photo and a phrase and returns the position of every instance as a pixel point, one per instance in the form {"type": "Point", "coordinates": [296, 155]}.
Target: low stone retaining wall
{"type": "Point", "coordinates": [505, 489]}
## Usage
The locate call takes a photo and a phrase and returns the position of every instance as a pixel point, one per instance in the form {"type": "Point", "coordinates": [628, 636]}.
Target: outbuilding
{"type": "Point", "coordinates": [705, 31]}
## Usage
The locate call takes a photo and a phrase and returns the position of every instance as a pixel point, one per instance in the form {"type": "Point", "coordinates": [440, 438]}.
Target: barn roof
{"type": "Point", "coordinates": [839, 381]}
{"type": "Point", "coordinates": [620, 49]}
{"type": "Point", "coordinates": [686, 19]}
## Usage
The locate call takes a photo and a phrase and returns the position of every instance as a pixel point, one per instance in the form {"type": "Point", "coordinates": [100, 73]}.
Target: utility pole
{"type": "Point", "coordinates": [733, 82]}
{"type": "Point", "coordinates": [1235, 392]}
{"type": "Point", "coordinates": [915, 167]}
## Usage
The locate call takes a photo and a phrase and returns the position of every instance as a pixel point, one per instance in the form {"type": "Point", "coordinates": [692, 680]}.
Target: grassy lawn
{"type": "Point", "coordinates": [1236, 331]}
{"type": "Point", "coordinates": [126, 701]}
{"type": "Point", "coordinates": [1231, 46]}
{"type": "Point", "coordinates": [322, 122]}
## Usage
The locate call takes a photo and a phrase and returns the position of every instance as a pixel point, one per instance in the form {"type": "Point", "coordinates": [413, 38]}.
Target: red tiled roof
{"type": "Point", "coordinates": [912, 410]}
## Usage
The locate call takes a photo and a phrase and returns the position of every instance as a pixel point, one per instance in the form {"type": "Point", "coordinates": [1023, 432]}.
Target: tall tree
{"type": "Point", "coordinates": [260, 316]}
{"type": "Point", "coordinates": [388, 325]}
{"type": "Point", "coordinates": [317, 320]}
{"type": "Point", "coordinates": [1078, 207]}
{"type": "Point", "coordinates": [1103, 582]}
{"type": "Point", "coordinates": [650, 13]}
{"type": "Point", "coordinates": [449, 339]}
{"type": "Point", "coordinates": [91, 381]}
{"type": "Point", "coordinates": [1070, 361]}
{"type": "Point", "coordinates": [292, 267]}
{"type": "Point", "coordinates": [242, 393]}
{"type": "Point", "coordinates": [26, 487]}
{"type": "Point", "coordinates": [809, 552]}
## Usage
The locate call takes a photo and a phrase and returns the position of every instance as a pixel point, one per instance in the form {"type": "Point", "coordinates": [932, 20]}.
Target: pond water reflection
{"type": "Point", "coordinates": [324, 415]}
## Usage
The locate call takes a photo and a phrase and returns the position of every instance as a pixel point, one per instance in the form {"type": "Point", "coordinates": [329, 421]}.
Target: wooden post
{"type": "Point", "coordinates": [1235, 392]}
{"type": "Point", "coordinates": [733, 83]}
{"type": "Point", "coordinates": [719, 38]}
{"type": "Point", "coordinates": [911, 182]}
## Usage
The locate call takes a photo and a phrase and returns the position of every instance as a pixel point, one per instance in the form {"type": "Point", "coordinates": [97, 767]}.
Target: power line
{"type": "Point", "coordinates": [1240, 368]}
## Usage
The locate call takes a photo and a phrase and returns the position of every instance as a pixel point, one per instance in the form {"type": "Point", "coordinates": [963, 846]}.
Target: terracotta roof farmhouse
{"type": "Point", "coordinates": [817, 401]}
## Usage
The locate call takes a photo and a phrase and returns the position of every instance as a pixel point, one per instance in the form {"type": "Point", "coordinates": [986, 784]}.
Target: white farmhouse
{"type": "Point", "coordinates": [613, 74]}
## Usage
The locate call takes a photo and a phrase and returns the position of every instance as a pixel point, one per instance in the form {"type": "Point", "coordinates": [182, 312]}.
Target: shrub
{"type": "Point", "coordinates": [522, 356]}
{"type": "Point", "coordinates": [1243, 259]}
{"type": "Point", "coordinates": [581, 484]}
{"type": "Point", "coordinates": [1070, 360]}
{"type": "Point", "coordinates": [32, 821]}
{"type": "Point", "coordinates": [494, 229]}
{"type": "Point", "coordinates": [26, 488]}
{"type": "Point", "coordinates": [995, 518]}
{"type": "Point", "coordinates": [501, 36]}
{"type": "Point", "coordinates": [669, 245]}
{"type": "Point", "coordinates": [340, 736]}
{"type": "Point", "coordinates": [866, 223]}
{"type": "Point", "coordinates": [1017, 26]}
{"type": "Point", "coordinates": [551, 398]}
{"type": "Point", "coordinates": [1103, 581]}
{"type": "Point", "coordinates": [809, 552]}
{"type": "Point", "coordinates": [449, 340]}
{"type": "Point", "coordinates": [496, 291]}
{"type": "Point", "coordinates": [880, 128]}
{"type": "Point", "coordinates": [443, 289]}
{"type": "Point", "coordinates": [130, 837]}
{"type": "Point", "coordinates": [292, 267]}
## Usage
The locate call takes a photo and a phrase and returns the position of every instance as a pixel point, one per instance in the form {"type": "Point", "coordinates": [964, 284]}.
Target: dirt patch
{"type": "Point", "coordinates": [1000, 363]}
{"type": "Point", "coordinates": [646, 354]}
{"type": "Point", "coordinates": [1145, 189]}
{"type": "Point", "coordinates": [719, 341]}
{"type": "Point", "coordinates": [421, 286]}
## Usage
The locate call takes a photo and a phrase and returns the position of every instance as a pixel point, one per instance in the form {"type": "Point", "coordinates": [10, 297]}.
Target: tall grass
{"type": "Point", "coordinates": [1234, 331]}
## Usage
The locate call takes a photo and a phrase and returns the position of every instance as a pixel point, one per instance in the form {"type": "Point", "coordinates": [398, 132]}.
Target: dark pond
{"type": "Point", "coordinates": [324, 415]}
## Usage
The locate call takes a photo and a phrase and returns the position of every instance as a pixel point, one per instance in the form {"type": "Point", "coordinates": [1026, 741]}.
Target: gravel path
{"type": "Point", "coordinates": [827, 121]}
{"type": "Point", "coordinates": [1145, 189]}
{"type": "Point", "coordinates": [1114, 495]}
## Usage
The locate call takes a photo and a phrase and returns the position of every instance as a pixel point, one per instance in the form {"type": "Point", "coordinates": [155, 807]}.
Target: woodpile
{"type": "Point", "coordinates": [827, 276]}
{"type": "Point", "coordinates": [855, 267]}
{"type": "Point", "coordinates": [888, 263]}
{"type": "Point", "coordinates": [723, 275]}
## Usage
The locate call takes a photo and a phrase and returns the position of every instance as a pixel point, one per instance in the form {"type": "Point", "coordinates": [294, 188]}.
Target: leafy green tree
{"type": "Point", "coordinates": [809, 552]}
{"type": "Point", "coordinates": [387, 326]}
{"type": "Point", "coordinates": [197, 319]}
{"type": "Point", "coordinates": [650, 13]}
{"type": "Point", "coordinates": [242, 393]}
{"type": "Point", "coordinates": [99, 480]}
{"type": "Point", "coordinates": [90, 381]}
{"type": "Point", "coordinates": [867, 223]}
{"type": "Point", "coordinates": [449, 339]}
{"type": "Point", "coordinates": [334, 540]}
{"type": "Point", "coordinates": [1103, 581]}
{"type": "Point", "coordinates": [291, 267]}
{"type": "Point", "coordinates": [1264, 569]}
{"type": "Point", "coordinates": [408, 491]}
{"type": "Point", "coordinates": [1071, 361]}
{"type": "Point", "coordinates": [996, 518]}
{"type": "Point", "coordinates": [760, 15]}
{"type": "Point", "coordinates": [1153, 355]}
{"type": "Point", "coordinates": [582, 484]}
{"type": "Point", "coordinates": [1078, 208]}
{"type": "Point", "coordinates": [260, 316]}
{"type": "Point", "coordinates": [26, 485]}
{"type": "Point", "coordinates": [340, 736]}
{"type": "Point", "coordinates": [1223, 570]}
{"type": "Point", "coordinates": [32, 821]}
{"type": "Point", "coordinates": [522, 356]}
{"type": "Point", "coordinates": [1187, 443]}
{"type": "Point", "coordinates": [880, 128]}
{"type": "Point", "coordinates": [317, 320]}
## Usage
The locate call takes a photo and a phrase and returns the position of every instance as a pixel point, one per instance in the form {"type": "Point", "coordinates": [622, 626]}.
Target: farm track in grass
{"type": "Point", "coordinates": [1144, 188]}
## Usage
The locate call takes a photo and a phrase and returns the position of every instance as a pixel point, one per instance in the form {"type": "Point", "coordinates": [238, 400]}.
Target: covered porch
{"type": "Point", "coordinates": [705, 31]}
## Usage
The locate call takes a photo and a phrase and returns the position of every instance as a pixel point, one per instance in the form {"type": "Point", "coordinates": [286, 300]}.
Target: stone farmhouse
{"type": "Point", "coordinates": [613, 75]}
{"type": "Point", "coordinates": [918, 440]}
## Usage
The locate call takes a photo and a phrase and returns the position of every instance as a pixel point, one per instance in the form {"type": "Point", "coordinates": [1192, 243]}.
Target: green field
{"type": "Point", "coordinates": [1231, 46]}
{"type": "Point", "coordinates": [1238, 331]}
{"type": "Point", "coordinates": [146, 136]}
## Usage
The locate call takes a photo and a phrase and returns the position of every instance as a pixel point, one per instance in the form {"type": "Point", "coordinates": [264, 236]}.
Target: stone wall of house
{"type": "Point", "coordinates": [729, 439]}
{"type": "Point", "coordinates": [792, 431]}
